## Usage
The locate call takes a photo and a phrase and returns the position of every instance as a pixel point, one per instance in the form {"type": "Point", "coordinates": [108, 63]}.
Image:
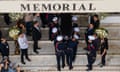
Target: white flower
{"type": "Point", "coordinates": [16, 16]}
{"type": "Point", "coordinates": [13, 32]}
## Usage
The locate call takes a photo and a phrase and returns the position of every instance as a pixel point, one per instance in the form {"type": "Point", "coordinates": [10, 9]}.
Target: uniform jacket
{"type": "Point", "coordinates": [72, 44]}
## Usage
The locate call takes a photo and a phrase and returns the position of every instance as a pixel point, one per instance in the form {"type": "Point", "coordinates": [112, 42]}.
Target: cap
{"type": "Point", "coordinates": [55, 19]}
{"type": "Point", "coordinates": [59, 38]}
{"type": "Point", "coordinates": [76, 36]}
{"type": "Point", "coordinates": [54, 30]}
{"type": "Point", "coordinates": [74, 18]}
{"type": "Point", "coordinates": [91, 37]}
{"type": "Point", "coordinates": [76, 29]}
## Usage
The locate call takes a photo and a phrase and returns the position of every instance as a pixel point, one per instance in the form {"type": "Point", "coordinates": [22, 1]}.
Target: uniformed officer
{"type": "Point", "coordinates": [4, 48]}
{"type": "Point", "coordinates": [89, 31]}
{"type": "Point", "coordinates": [74, 21]}
{"type": "Point", "coordinates": [70, 51]}
{"type": "Point", "coordinates": [92, 48]}
{"type": "Point", "coordinates": [75, 35]}
{"type": "Point", "coordinates": [60, 54]}
{"type": "Point", "coordinates": [54, 36]}
{"type": "Point", "coordinates": [103, 49]}
{"type": "Point", "coordinates": [52, 25]}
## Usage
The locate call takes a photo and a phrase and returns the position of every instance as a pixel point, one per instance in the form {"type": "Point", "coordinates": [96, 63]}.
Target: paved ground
{"type": "Point", "coordinates": [44, 63]}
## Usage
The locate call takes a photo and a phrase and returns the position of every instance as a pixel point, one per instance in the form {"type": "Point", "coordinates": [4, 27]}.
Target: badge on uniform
{"type": "Point", "coordinates": [7, 47]}
{"type": "Point", "coordinates": [54, 30]}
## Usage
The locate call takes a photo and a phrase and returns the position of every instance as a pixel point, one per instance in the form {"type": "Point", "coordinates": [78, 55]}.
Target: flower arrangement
{"type": "Point", "coordinates": [13, 32]}
{"type": "Point", "coordinates": [16, 16]}
{"type": "Point", "coordinates": [101, 32]}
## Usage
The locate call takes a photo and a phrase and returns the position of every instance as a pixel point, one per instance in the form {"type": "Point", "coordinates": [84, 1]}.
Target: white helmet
{"type": "Point", "coordinates": [59, 38]}
{"type": "Point", "coordinates": [74, 18]}
{"type": "Point", "coordinates": [55, 19]}
{"type": "Point", "coordinates": [76, 29]}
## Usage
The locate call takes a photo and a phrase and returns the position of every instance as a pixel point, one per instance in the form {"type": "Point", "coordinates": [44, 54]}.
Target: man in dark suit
{"type": "Point", "coordinates": [36, 35]}
{"type": "Point", "coordinates": [103, 49]}
{"type": "Point", "coordinates": [95, 21]}
{"type": "Point", "coordinates": [7, 18]}
{"type": "Point", "coordinates": [4, 48]}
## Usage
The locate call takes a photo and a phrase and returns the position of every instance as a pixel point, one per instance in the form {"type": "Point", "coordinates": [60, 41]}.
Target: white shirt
{"type": "Point", "coordinates": [22, 41]}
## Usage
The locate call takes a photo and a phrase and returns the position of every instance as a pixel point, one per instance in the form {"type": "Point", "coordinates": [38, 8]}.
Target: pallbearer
{"type": "Point", "coordinates": [54, 36]}
{"type": "Point", "coordinates": [76, 36]}
{"type": "Point", "coordinates": [71, 46]}
{"type": "Point", "coordinates": [74, 21]}
{"type": "Point", "coordinates": [53, 24]}
{"type": "Point", "coordinates": [92, 48]}
{"type": "Point", "coordinates": [89, 31]}
{"type": "Point", "coordinates": [103, 49]}
{"type": "Point", "coordinates": [60, 54]}
{"type": "Point", "coordinates": [66, 24]}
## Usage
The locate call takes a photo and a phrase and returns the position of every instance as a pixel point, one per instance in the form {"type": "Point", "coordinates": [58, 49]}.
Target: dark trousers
{"type": "Point", "coordinates": [24, 52]}
{"type": "Point", "coordinates": [103, 59]}
{"type": "Point", "coordinates": [74, 53]}
{"type": "Point", "coordinates": [35, 45]}
{"type": "Point", "coordinates": [91, 59]}
{"type": "Point", "coordinates": [60, 57]}
{"type": "Point", "coordinates": [28, 27]}
{"type": "Point", "coordinates": [50, 33]}
{"type": "Point", "coordinates": [69, 58]}
{"type": "Point", "coordinates": [7, 19]}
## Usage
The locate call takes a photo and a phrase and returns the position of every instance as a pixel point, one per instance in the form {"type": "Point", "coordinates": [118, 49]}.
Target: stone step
{"type": "Point", "coordinates": [82, 21]}
{"type": "Point", "coordinates": [48, 47]}
{"type": "Point", "coordinates": [113, 27]}
{"type": "Point", "coordinates": [114, 33]}
{"type": "Point", "coordinates": [75, 69]}
{"type": "Point", "coordinates": [48, 63]}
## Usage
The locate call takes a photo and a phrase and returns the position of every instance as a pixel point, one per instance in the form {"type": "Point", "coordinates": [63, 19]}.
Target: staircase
{"type": "Point", "coordinates": [46, 60]}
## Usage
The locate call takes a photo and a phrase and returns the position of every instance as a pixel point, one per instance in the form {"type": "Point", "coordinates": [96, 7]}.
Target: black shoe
{"type": "Point", "coordinates": [70, 68]}
{"type": "Point", "coordinates": [29, 59]}
{"type": "Point", "coordinates": [58, 69]}
{"type": "Point", "coordinates": [63, 66]}
{"type": "Point", "coordinates": [38, 48]}
{"type": "Point", "coordinates": [102, 65]}
{"type": "Point", "coordinates": [88, 69]}
{"type": "Point", "coordinates": [36, 52]}
{"type": "Point", "coordinates": [23, 62]}
{"type": "Point", "coordinates": [87, 65]}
